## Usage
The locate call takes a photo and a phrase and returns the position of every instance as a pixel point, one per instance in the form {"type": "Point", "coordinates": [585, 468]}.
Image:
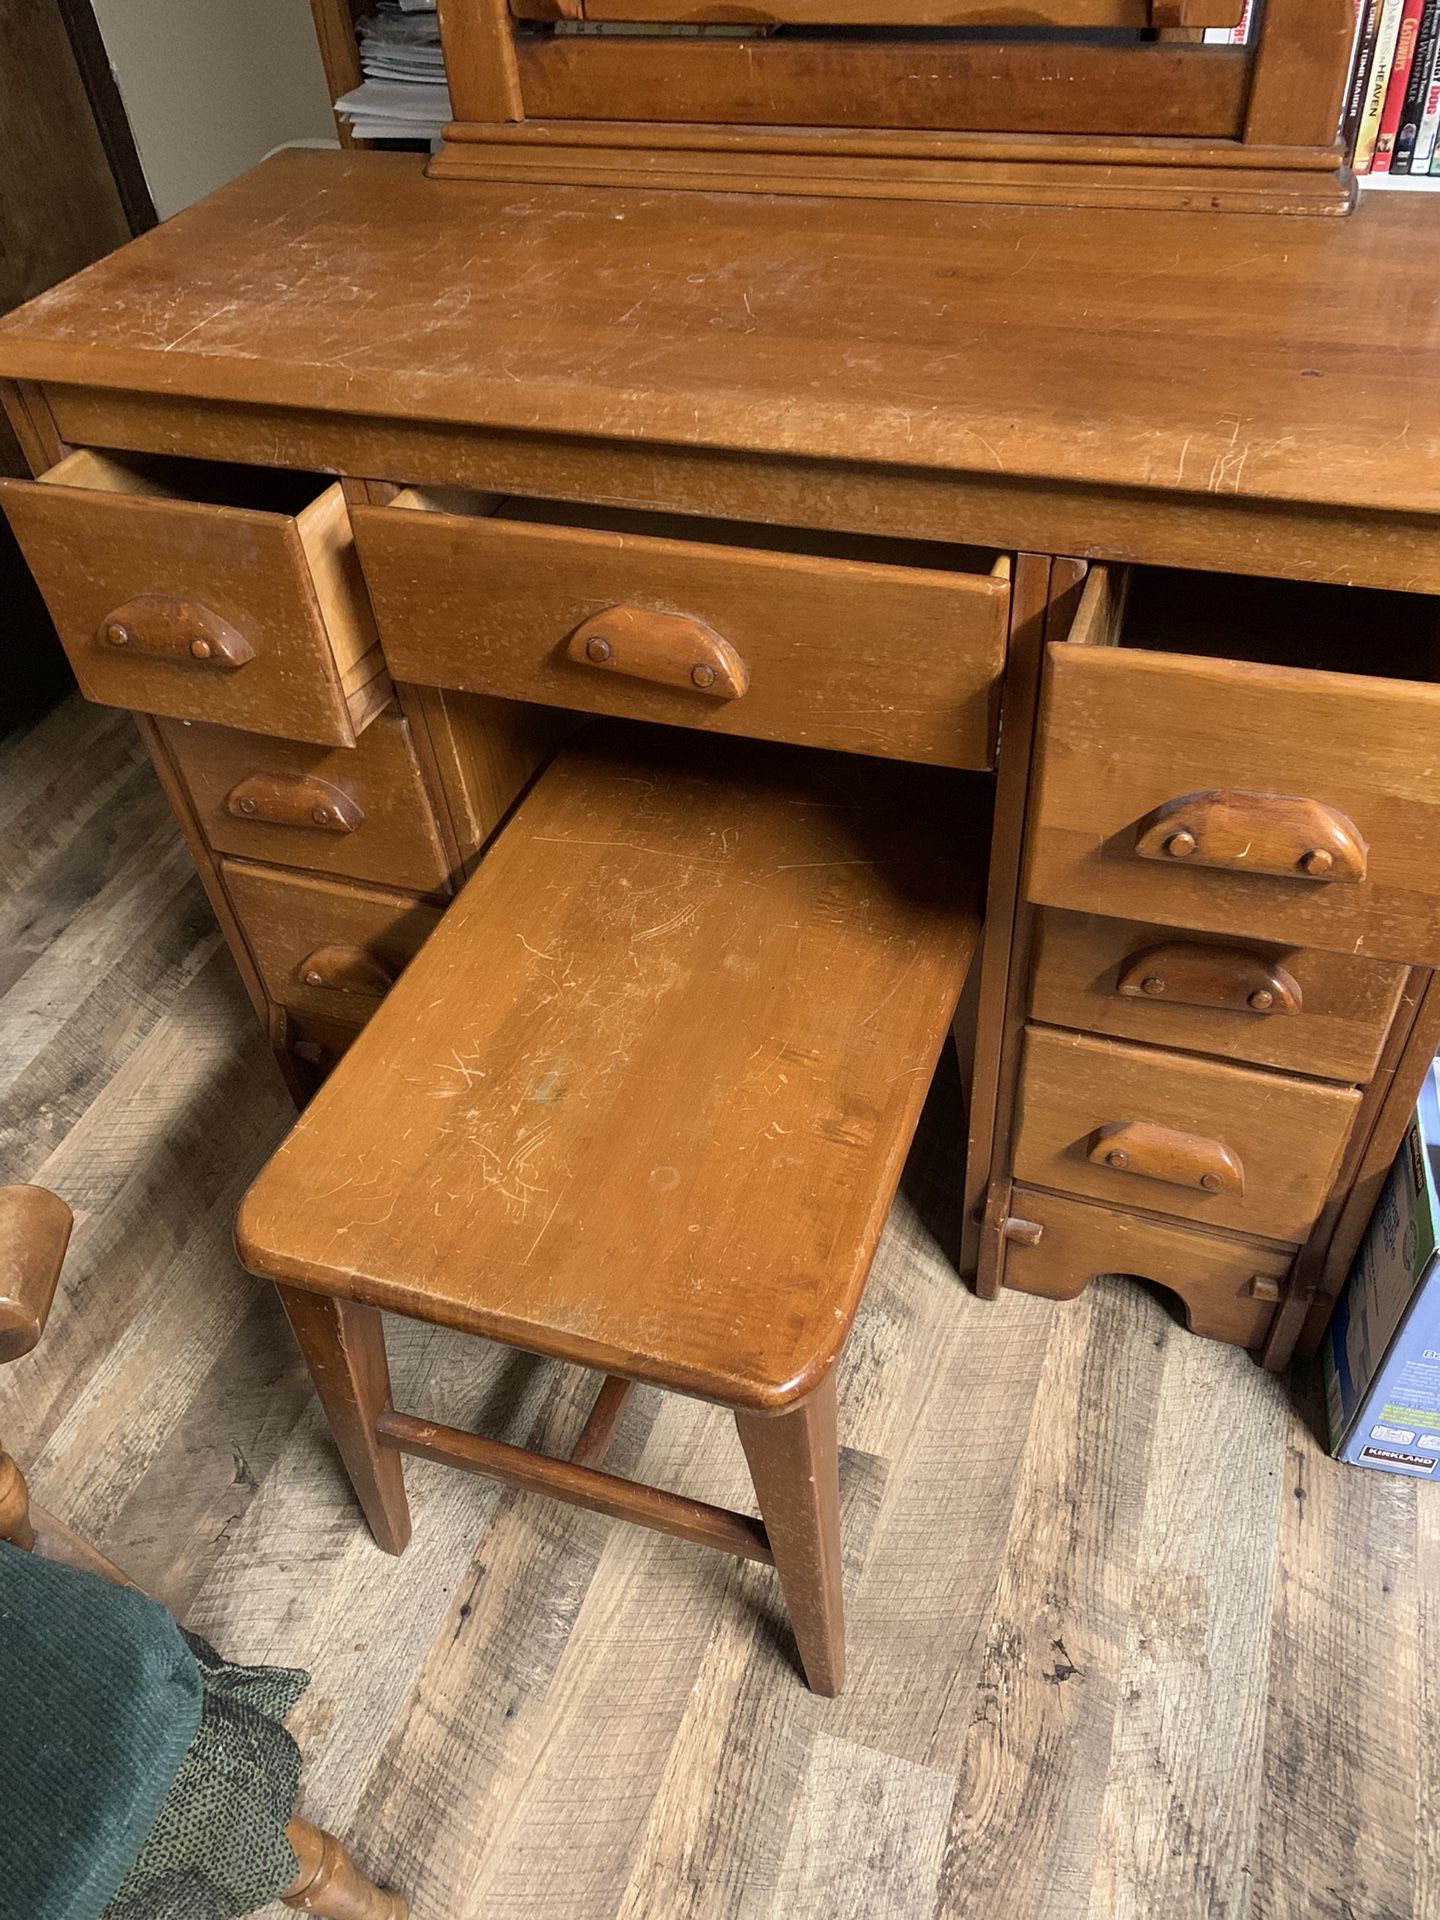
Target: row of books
{"type": "Point", "coordinates": [1393, 105]}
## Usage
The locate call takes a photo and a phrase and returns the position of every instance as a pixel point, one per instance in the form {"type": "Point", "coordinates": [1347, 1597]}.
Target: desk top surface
{"type": "Point", "coordinates": [1272, 358]}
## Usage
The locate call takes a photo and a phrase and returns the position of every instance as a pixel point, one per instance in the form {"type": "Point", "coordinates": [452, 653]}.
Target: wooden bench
{"type": "Point", "coordinates": [641, 1103]}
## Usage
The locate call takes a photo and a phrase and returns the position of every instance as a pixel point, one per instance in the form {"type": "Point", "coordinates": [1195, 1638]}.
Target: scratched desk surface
{"type": "Point", "coordinates": [1272, 358]}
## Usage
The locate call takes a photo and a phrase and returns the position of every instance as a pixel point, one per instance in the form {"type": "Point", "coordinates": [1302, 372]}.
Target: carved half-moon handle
{"type": "Point", "coordinates": [667, 649]}
{"type": "Point", "coordinates": [1268, 833]}
{"type": "Point", "coordinates": [1160, 1153]}
{"type": "Point", "coordinates": [1186, 973]}
{"type": "Point", "coordinates": [348, 970]}
{"type": "Point", "coordinates": [294, 800]}
{"type": "Point", "coordinates": [163, 627]}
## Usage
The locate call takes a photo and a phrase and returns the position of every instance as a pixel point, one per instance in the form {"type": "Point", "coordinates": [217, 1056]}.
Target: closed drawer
{"type": "Point", "coordinates": [322, 947]}
{"type": "Point", "coordinates": [1229, 1287]}
{"type": "Point", "coordinates": [1225, 1146]}
{"type": "Point", "coordinates": [205, 593]}
{"type": "Point", "coordinates": [1305, 1010]}
{"type": "Point", "coordinates": [877, 647]}
{"type": "Point", "coordinates": [314, 1048]}
{"type": "Point", "coordinates": [361, 811]}
{"type": "Point", "coordinates": [1245, 796]}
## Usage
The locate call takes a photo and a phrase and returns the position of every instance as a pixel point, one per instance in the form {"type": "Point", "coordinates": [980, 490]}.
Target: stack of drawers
{"type": "Point", "coordinates": [1231, 869]}
{"type": "Point", "coordinates": [227, 603]}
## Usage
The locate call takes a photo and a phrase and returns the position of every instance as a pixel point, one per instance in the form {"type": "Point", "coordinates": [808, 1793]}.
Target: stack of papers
{"type": "Point", "coordinates": [403, 95]}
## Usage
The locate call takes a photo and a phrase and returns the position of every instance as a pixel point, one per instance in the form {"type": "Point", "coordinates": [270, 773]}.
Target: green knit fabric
{"type": "Point", "coordinates": [141, 1776]}
{"type": "Point", "coordinates": [101, 1699]}
{"type": "Point", "coordinates": [218, 1847]}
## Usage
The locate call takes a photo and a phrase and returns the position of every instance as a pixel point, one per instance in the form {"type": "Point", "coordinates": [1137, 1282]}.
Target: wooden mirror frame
{"type": "Point", "coordinates": [1165, 122]}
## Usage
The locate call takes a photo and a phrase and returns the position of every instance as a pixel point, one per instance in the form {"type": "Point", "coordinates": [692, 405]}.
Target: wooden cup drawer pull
{"type": "Point", "coordinates": [349, 970]}
{"type": "Point", "coordinates": [162, 627]}
{"type": "Point", "coordinates": [1160, 1153]}
{"type": "Point", "coordinates": [294, 800]}
{"type": "Point", "coordinates": [1255, 833]}
{"type": "Point", "coordinates": [667, 649]}
{"type": "Point", "coordinates": [1186, 973]}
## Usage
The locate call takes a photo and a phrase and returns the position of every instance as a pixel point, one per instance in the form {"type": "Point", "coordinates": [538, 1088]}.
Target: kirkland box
{"type": "Point", "coordinates": [1382, 1350]}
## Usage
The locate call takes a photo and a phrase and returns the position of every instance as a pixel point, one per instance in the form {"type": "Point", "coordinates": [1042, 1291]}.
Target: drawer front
{"type": "Point", "coordinates": [324, 948]}
{"type": "Point", "coordinates": [898, 661]}
{"type": "Point", "coordinates": [1262, 801]}
{"type": "Point", "coordinates": [1229, 1288]}
{"type": "Point", "coordinates": [1224, 1146]}
{"type": "Point", "coordinates": [1311, 1012]}
{"type": "Point", "coordinates": [314, 1048]}
{"type": "Point", "coordinates": [196, 611]}
{"type": "Point", "coordinates": [360, 812]}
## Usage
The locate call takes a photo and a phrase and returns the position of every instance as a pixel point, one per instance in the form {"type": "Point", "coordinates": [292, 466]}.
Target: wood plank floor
{"type": "Point", "coordinates": [1123, 1641]}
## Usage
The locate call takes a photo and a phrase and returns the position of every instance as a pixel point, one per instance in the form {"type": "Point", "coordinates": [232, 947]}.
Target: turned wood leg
{"type": "Point", "coordinates": [329, 1882]}
{"type": "Point", "coordinates": [15, 1524]}
{"type": "Point", "coordinates": [344, 1348]}
{"type": "Point", "coordinates": [796, 1469]}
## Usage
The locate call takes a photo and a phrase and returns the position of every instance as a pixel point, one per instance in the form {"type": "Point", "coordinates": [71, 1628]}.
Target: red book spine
{"type": "Point", "coordinates": [1399, 84]}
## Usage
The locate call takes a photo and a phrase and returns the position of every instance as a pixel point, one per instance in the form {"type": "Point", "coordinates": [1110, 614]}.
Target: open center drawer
{"type": "Point", "coordinates": [876, 646]}
{"type": "Point", "coordinates": [1207, 759]}
{"type": "Point", "coordinates": [201, 591]}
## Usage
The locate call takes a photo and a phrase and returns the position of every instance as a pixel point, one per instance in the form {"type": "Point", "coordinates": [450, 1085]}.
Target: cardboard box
{"type": "Point", "coordinates": [1381, 1355]}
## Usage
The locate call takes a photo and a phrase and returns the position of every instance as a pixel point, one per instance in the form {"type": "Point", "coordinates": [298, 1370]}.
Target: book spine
{"type": "Point", "coordinates": [1395, 92]}
{"type": "Point", "coordinates": [1409, 155]}
{"type": "Point", "coordinates": [1238, 36]}
{"type": "Point", "coordinates": [1365, 38]}
{"type": "Point", "coordinates": [1380, 67]}
{"type": "Point", "coordinates": [1422, 72]}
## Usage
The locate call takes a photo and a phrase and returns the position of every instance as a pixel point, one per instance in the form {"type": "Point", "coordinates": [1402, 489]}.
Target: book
{"type": "Point", "coordinates": [1398, 85]}
{"type": "Point", "coordinates": [1386, 35]}
{"type": "Point", "coordinates": [1379, 1358]}
{"type": "Point", "coordinates": [1364, 58]}
{"type": "Point", "coordinates": [1422, 72]}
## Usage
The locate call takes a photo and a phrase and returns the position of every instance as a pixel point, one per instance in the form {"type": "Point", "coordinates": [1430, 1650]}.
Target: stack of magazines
{"type": "Point", "coordinates": [403, 95]}
{"type": "Point", "coordinates": [1393, 107]}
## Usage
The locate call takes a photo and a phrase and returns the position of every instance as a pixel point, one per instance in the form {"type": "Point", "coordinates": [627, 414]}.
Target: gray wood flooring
{"type": "Point", "coordinates": [1123, 1641]}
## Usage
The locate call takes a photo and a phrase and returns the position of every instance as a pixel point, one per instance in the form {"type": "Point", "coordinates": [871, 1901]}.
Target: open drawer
{"type": "Point", "coordinates": [1208, 760]}
{"type": "Point", "coordinates": [886, 647]}
{"type": "Point", "coordinates": [205, 592]}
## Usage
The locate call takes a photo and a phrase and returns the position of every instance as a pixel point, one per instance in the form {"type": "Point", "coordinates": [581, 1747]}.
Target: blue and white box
{"type": "Point", "coordinates": [1381, 1355]}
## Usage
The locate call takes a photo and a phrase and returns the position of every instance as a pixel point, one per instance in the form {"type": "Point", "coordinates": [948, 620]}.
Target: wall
{"type": "Point", "coordinates": [210, 86]}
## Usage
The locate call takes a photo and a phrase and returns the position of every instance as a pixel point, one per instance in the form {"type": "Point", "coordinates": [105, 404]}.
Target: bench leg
{"type": "Point", "coordinates": [344, 1348]}
{"type": "Point", "coordinates": [796, 1469]}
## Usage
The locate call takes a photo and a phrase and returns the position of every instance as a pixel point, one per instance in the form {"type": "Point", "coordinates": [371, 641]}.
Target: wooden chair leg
{"type": "Point", "coordinates": [795, 1465]}
{"type": "Point", "coordinates": [15, 1526]}
{"type": "Point", "coordinates": [329, 1882]}
{"type": "Point", "coordinates": [344, 1347]}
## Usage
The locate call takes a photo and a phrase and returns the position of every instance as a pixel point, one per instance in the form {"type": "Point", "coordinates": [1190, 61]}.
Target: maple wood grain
{"type": "Point", "coordinates": [1345, 1005]}
{"type": "Point", "coordinates": [1229, 1287]}
{"type": "Point", "coordinates": [871, 654]}
{"type": "Point", "coordinates": [642, 1099]}
{"type": "Point", "coordinates": [924, 336]}
{"type": "Point", "coordinates": [1283, 1136]}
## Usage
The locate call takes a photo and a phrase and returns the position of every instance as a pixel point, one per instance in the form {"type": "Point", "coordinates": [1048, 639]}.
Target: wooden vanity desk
{"type": "Point", "coordinates": [341, 469]}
